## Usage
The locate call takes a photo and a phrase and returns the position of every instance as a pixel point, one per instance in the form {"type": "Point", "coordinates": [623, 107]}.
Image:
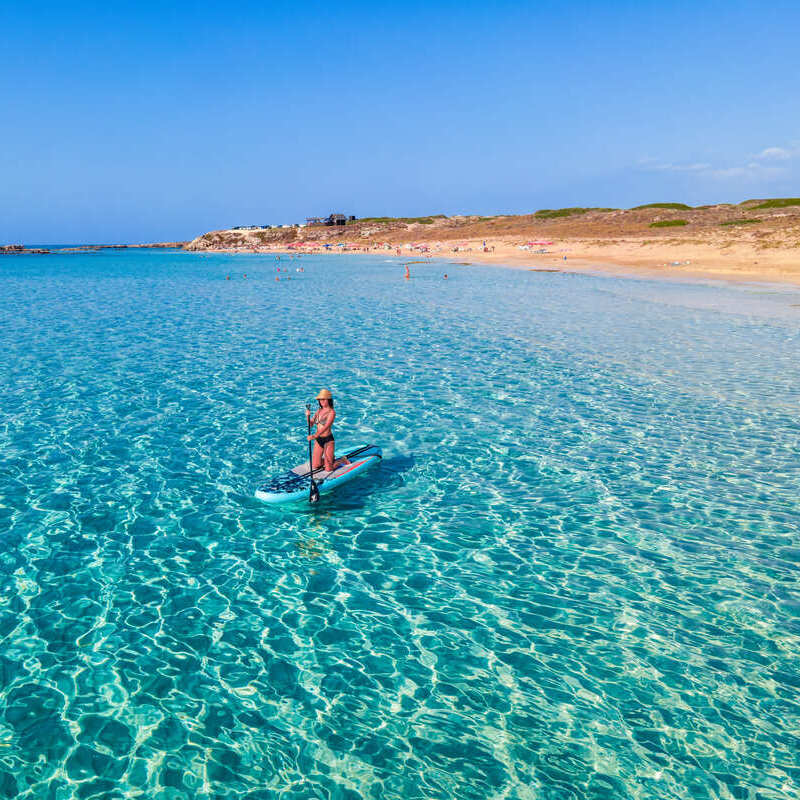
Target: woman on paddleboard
{"type": "Point", "coordinates": [323, 438]}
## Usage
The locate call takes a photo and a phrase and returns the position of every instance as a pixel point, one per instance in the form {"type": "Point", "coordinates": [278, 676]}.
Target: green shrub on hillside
{"type": "Point", "coordinates": [741, 222]}
{"type": "Point", "coordinates": [779, 202]}
{"type": "Point", "coordinates": [407, 220]}
{"type": "Point", "coordinates": [669, 223]}
{"type": "Point", "coordinates": [551, 213]}
{"type": "Point", "coordinates": [676, 206]}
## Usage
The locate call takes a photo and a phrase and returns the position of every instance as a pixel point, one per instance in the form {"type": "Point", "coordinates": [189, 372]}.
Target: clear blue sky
{"type": "Point", "coordinates": [154, 121]}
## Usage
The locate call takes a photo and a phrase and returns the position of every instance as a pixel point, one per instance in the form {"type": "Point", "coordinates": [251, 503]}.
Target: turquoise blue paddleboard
{"type": "Point", "coordinates": [291, 486]}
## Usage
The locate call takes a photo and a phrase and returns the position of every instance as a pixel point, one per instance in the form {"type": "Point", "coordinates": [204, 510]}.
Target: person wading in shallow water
{"type": "Point", "coordinates": [323, 438]}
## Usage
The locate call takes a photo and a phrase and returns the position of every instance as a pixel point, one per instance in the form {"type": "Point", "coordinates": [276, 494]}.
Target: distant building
{"type": "Point", "coordinates": [331, 219]}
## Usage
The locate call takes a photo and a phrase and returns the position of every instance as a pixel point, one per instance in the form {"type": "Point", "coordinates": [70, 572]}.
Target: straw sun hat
{"type": "Point", "coordinates": [324, 395]}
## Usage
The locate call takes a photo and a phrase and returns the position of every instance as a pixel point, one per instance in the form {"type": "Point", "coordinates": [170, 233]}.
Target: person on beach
{"type": "Point", "coordinates": [323, 438]}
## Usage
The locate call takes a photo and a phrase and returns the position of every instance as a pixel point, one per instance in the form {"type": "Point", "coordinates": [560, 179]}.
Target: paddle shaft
{"type": "Point", "coordinates": [313, 491]}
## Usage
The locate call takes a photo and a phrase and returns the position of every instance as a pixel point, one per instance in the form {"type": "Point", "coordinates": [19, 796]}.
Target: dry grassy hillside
{"type": "Point", "coordinates": [760, 223]}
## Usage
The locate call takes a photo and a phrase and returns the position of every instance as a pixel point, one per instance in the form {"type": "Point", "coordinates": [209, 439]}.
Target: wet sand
{"type": "Point", "coordinates": [737, 263]}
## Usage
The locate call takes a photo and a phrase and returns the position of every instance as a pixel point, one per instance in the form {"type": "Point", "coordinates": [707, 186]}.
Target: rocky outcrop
{"type": "Point", "coordinates": [94, 247]}
{"type": "Point", "coordinates": [21, 250]}
{"type": "Point", "coordinates": [244, 239]}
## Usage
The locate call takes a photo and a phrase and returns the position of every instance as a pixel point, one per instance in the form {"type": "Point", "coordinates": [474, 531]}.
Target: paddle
{"type": "Point", "coordinates": [313, 489]}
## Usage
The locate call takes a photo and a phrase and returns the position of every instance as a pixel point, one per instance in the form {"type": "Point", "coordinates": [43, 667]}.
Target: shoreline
{"type": "Point", "coordinates": [629, 259]}
{"type": "Point", "coordinates": [681, 261]}
{"type": "Point", "coordinates": [592, 265]}
{"type": "Point", "coordinates": [755, 240]}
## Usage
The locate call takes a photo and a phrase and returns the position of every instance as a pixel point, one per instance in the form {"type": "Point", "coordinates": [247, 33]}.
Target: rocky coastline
{"type": "Point", "coordinates": [21, 250]}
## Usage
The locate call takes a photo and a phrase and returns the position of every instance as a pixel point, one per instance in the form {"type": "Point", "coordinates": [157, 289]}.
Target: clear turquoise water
{"type": "Point", "coordinates": [574, 576]}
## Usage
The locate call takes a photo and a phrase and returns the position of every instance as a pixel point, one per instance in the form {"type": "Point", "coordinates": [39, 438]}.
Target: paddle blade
{"type": "Point", "coordinates": [313, 493]}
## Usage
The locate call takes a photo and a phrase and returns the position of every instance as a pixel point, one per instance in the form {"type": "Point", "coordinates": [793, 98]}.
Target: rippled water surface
{"type": "Point", "coordinates": [575, 574]}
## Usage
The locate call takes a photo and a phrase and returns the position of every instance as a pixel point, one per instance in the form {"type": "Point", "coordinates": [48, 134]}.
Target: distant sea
{"type": "Point", "coordinates": [575, 575]}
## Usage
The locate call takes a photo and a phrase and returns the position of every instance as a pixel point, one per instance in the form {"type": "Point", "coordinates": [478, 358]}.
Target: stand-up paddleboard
{"type": "Point", "coordinates": [293, 485]}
